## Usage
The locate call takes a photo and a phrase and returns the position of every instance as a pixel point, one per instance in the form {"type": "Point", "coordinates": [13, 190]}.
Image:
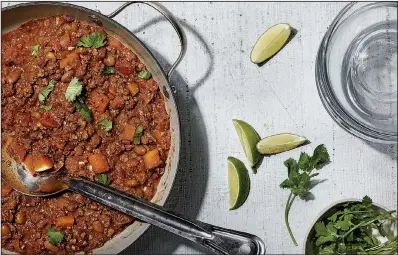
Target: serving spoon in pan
{"type": "Point", "coordinates": [219, 240]}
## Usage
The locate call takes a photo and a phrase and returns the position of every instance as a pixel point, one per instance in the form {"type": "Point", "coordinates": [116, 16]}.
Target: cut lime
{"type": "Point", "coordinates": [248, 138]}
{"type": "Point", "coordinates": [279, 143]}
{"type": "Point", "coordinates": [270, 42]}
{"type": "Point", "coordinates": [238, 182]}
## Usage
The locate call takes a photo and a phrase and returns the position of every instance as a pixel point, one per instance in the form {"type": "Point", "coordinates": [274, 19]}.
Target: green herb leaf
{"type": "Point", "coordinates": [80, 105]}
{"type": "Point", "coordinates": [55, 237]}
{"type": "Point", "coordinates": [46, 107]}
{"type": "Point", "coordinates": [86, 113]}
{"type": "Point", "coordinates": [144, 74]}
{"type": "Point", "coordinates": [74, 89]}
{"type": "Point", "coordinates": [103, 179]}
{"type": "Point", "coordinates": [320, 157]}
{"type": "Point", "coordinates": [35, 50]}
{"type": "Point", "coordinates": [45, 92]}
{"type": "Point", "coordinates": [298, 181]}
{"type": "Point", "coordinates": [108, 70]}
{"type": "Point", "coordinates": [107, 124]}
{"type": "Point", "coordinates": [367, 201]}
{"type": "Point", "coordinates": [96, 40]}
{"type": "Point", "coordinates": [138, 134]}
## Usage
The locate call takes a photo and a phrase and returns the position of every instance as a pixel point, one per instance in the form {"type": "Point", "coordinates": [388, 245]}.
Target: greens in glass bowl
{"type": "Point", "coordinates": [354, 227]}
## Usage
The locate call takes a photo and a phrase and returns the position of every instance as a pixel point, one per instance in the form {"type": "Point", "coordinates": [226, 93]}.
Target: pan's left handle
{"type": "Point", "coordinates": [173, 21]}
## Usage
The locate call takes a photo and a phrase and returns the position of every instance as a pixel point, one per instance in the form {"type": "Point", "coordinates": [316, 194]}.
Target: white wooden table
{"type": "Point", "coordinates": [216, 82]}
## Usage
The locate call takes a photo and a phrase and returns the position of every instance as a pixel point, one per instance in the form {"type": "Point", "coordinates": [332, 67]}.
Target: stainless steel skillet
{"type": "Point", "coordinates": [219, 240]}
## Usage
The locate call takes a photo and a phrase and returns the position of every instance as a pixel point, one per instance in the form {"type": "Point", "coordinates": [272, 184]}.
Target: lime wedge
{"type": "Point", "coordinates": [238, 182]}
{"type": "Point", "coordinates": [270, 42]}
{"type": "Point", "coordinates": [279, 143]}
{"type": "Point", "coordinates": [248, 138]}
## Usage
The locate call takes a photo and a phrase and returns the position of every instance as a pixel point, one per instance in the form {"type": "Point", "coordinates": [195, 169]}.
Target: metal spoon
{"type": "Point", "coordinates": [219, 240]}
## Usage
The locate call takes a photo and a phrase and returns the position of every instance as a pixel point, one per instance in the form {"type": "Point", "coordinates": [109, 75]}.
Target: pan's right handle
{"type": "Point", "coordinates": [173, 21]}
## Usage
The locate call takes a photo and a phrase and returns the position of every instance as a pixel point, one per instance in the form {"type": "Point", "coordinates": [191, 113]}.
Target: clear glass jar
{"type": "Point", "coordinates": [356, 70]}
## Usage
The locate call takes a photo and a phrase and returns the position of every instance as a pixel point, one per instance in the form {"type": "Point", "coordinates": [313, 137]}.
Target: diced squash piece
{"type": "Point", "coordinates": [28, 163]}
{"type": "Point", "coordinates": [114, 43]}
{"type": "Point", "coordinates": [18, 151]}
{"type": "Point", "coordinates": [5, 189]}
{"type": "Point", "coordinates": [72, 60]}
{"type": "Point", "coordinates": [65, 40]}
{"type": "Point", "coordinates": [158, 135]}
{"type": "Point", "coordinates": [42, 163]}
{"type": "Point", "coordinates": [133, 88]}
{"type": "Point", "coordinates": [100, 101]}
{"type": "Point", "coordinates": [65, 221]}
{"type": "Point", "coordinates": [128, 133]}
{"type": "Point", "coordinates": [152, 159]}
{"type": "Point", "coordinates": [49, 120]}
{"type": "Point", "coordinates": [50, 246]}
{"type": "Point", "coordinates": [98, 163]}
{"type": "Point", "coordinates": [141, 177]}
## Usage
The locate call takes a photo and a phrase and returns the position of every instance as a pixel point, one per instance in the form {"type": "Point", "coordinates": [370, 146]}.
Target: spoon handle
{"type": "Point", "coordinates": [219, 240]}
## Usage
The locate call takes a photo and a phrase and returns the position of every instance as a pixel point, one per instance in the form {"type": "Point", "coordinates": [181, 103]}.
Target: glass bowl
{"type": "Point", "coordinates": [356, 70]}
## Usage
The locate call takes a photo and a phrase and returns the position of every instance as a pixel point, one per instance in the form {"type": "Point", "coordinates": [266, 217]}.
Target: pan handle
{"type": "Point", "coordinates": [173, 21]}
{"type": "Point", "coordinates": [219, 240]}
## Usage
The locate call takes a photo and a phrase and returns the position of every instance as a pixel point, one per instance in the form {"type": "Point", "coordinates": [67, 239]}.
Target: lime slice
{"type": "Point", "coordinates": [270, 42]}
{"type": "Point", "coordinates": [279, 143]}
{"type": "Point", "coordinates": [248, 138]}
{"type": "Point", "coordinates": [238, 182]}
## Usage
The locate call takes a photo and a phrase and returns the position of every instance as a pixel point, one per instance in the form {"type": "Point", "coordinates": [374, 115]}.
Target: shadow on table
{"type": "Point", "coordinates": [190, 184]}
{"type": "Point", "coordinates": [388, 149]}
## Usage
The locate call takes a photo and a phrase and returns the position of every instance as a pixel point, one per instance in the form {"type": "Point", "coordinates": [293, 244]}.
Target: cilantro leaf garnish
{"type": "Point", "coordinates": [95, 39]}
{"type": "Point", "coordinates": [299, 176]}
{"type": "Point", "coordinates": [107, 124]}
{"type": "Point", "coordinates": [103, 179]}
{"type": "Point", "coordinates": [35, 50]}
{"type": "Point", "coordinates": [108, 70]}
{"type": "Point", "coordinates": [74, 89]}
{"type": "Point", "coordinates": [46, 107]}
{"type": "Point", "coordinates": [80, 105]}
{"type": "Point", "coordinates": [45, 92]}
{"type": "Point", "coordinates": [144, 74]}
{"type": "Point", "coordinates": [55, 237]}
{"type": "Point", "coordinates": [138, 134]}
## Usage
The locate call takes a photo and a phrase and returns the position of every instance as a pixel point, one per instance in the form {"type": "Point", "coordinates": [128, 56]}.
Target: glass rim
{"type": "Point", "coordinates": [327, 95]}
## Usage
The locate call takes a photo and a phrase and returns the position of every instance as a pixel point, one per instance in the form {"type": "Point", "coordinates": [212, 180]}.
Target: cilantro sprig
{"type": "Point", "coordinates": [103, 179]}
{"type": "Point", "coordinates": [106, 124]}
{"type": "Point", "coordinates": [35, 50]}
{"type": "Point", "coordinates": [299, 176]}
{"type": "Point", "coordinates": [349, 228]}
{"type": "Point", "coordinates": [95, 39]}
{"type": "Point", "coordinates": [108, 70]}
{"type": "Point", "coordinates": [138, 134]}
{"type": "Point", "coordinates": [74, 94]}
{"type": "Point", "coordinates": [46, 91]}
{"type": "Point", "coordinates": [144, 74]}
{"type": "Point", "coordinates": [55, 237]}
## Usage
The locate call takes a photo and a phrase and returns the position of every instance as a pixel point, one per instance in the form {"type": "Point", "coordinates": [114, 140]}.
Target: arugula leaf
{"type": "Point", "coordinates": [45, 92]}
{"type": "Point", "coordinates": [55, 237]}
{"type": "Point", "coordinates": [107, 124]}
{"type": "Point", "coordinates": [103, 179]}
{"type": "Point", "coordinates": [108, 70]}
{"type": "Point", "coordinates": [35, 50]}
{"type": "Point", "coordinates": [74, 89]}
{"type": "Point", "coordinates": [95, 39]}
{"type": "Point", "coordinates": [46, 107]}
{"type": "Point", "coordinates": [299, 177]}
{"type": "Point", "coordinates": [138, 134]}
{"type": "Point", "coordinates": [144, 74]}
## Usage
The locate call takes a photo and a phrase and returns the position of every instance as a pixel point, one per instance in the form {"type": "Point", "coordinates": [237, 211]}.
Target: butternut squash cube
{"type": "Point", "coordinates": [152, 159]}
